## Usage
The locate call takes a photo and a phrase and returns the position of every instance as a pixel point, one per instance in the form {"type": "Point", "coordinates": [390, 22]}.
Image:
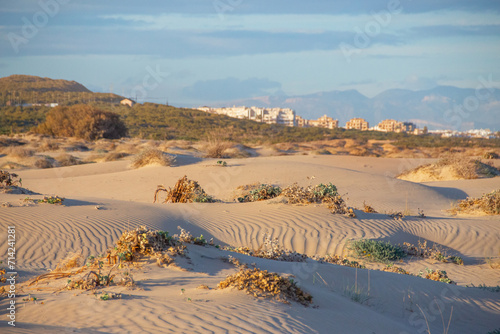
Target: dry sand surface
{"type": "Point", "coordinates": [167, 299]}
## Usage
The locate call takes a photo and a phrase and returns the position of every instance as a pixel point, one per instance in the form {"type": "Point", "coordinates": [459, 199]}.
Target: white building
{"type": "Point", "coordinates": [285, 116]}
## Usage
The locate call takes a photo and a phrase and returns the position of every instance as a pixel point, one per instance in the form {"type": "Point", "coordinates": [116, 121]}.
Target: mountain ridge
{"type": "Point", "coordinates": [444, 107]}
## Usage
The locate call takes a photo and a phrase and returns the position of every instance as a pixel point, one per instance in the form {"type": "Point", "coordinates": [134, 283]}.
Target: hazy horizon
{"type": "Point", "coordinates": [223, 50]}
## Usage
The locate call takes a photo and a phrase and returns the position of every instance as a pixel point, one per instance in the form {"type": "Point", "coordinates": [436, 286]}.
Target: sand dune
{"type": "Point", "coordinates": [46, 233]}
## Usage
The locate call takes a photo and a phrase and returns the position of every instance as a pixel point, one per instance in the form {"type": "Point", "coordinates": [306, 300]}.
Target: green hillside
{"type": "Point", "coordinates": [27, 89]}
{"type": "Point", "coordinates": [156, 121]}
{"type": "Point", "coordinates": [30, 83]}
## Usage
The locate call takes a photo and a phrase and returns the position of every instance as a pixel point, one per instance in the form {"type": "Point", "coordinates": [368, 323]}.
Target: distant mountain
{"type": "Point", "coordinates": [28, 89]}
{"type": "Point", "coordinates": [443, 107]}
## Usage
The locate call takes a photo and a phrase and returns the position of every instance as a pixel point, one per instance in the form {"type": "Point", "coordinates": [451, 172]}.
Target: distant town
{"type": "Point", "coordinates": [287, 116]}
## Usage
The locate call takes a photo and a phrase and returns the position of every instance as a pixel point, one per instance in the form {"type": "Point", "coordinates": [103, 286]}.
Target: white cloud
{"type": "Point", "coordinates": [302, 23]}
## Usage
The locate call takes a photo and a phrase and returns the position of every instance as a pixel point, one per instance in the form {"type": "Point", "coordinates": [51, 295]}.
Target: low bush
{"type": "Point", "coordinates": [48, 145]}
{"type": "Point", "coordinates": [321, 193]}
{"type": "Point", "coordinates": [374, 250]}
{"type": "Point", "coordinates": [436, 275]}
{"type": "Point", "coordinates": [488, 204]}
{"type": "Point", "coordinates": [217, 148]}
{"type": "Point", "coordinates": [44, 162]}
{"type": "Point", "coordinates": [82, 121]}
{"type": "Point", "coordinates": [422, 250]}
{"type": "Point", "coordinates": [261, 193]}
{"type": "Point", "coordinates": [184, 191]}
{"type": "Point", "coordinates": [460, 166]}
{"type": "Point", "coordinates": [19, 152]}
{"type": "Point", "coordinates": [150, 156]}
{"type": "Point", "coordinates": [52, 200]}
{"type": "Point", "coordinates": [114, 156]}
{"type": "Point", "coordinates": [261, 283]}
{"type": "Point", "coordinates": [65, 160]}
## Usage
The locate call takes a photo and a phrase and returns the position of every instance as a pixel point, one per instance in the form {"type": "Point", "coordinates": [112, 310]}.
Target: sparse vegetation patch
{"type": "Point", "coordinates": [8, 180]}
{"type": "Point", "coordinates": [321, 193]}
{"type": "Point", "coordinates": [374, 250]}
{"type": "Point", "coordinates": [184, 191]}
{"type": "Point", "coordinates": [488, 204]}
{"type": "Point", "coordinates": [152, 156]}
{"type": "Point", "coordinates": [261, 283]}
{"type": "Point", "coordinates": [261, 193]}
{"type": "Point", "coordinates": [270, 249]}
{"type": "Point", "coordinates": [422, 250]}
{"type": "Point", "coordinates": [451, 166]}
{"type": "Point", "coordinates": [436, 275]}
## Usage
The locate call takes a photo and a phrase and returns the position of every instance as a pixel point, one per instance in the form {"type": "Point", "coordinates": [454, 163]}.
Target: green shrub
{"type": "Point", "coordinates": [378, 251]}
{"type": "Point", "coordinates": [262, 192]}
{"type": "Point", "coordinates": [322, 191]}
{"type": "Point", "coordinates": [82, 121]}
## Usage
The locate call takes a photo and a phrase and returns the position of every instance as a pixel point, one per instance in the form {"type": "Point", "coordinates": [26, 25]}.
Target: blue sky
{"type": "Point", "coordinates": [202, 51]}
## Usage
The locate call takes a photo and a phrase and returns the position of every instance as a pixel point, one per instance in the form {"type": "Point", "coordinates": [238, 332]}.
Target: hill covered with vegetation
{"type": "Point", "coordinates": [163, 122]}
{"type": "Point", "coordinates": [17, 90]}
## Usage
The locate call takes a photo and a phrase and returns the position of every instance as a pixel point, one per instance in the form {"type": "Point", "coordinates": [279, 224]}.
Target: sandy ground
{"type": "Point", "coordinates": [167, 299]}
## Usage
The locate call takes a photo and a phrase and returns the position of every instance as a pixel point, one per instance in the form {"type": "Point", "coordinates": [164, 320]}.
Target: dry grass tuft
{"type": "Point", "coordinates": [44, 162]}
{"type": "Point", "coordinates": [104, 145]}
{"type": "Point", "coordinates": [7, 142]}
{"type": "Point", "coordinates": [457, 166]}
{"type": "Point", "coordinates": [65, 160]}
{"type": "Point", "coordinates": [184, 191]}
{"type": "Point", "coordinates": [178, 144]}
{"type": "Point", "coordinates": [368, 209]}
{"type": "Point", "coordinates": [19, 152]}
{"type": "Point", "coordinates": [261, 283]}
{"type": "Point", "coordinates": [488, 204]}
{"type": "Point", "coordinates": [217, 148]}
{"type": "Point", "coordinates": [152, 156]}
{"type": "Point", "coordinates": [114, 156]}
{"type": "Point", "coordinates": [217, 145]}
{"type": "Point", "coordinates": [72, 260]}
{"type": "Point", "coordinates": [239, 151]}
{"type": "Point", "coordinates": [77, 147]}
{"type": "Point", "coordinates": [128, 147]}
{"type": "Point", "coordinates": [48, 145]}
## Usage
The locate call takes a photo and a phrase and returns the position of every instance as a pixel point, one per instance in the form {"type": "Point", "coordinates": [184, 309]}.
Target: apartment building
{"type": "Point", "coordinates": [357, 123]}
